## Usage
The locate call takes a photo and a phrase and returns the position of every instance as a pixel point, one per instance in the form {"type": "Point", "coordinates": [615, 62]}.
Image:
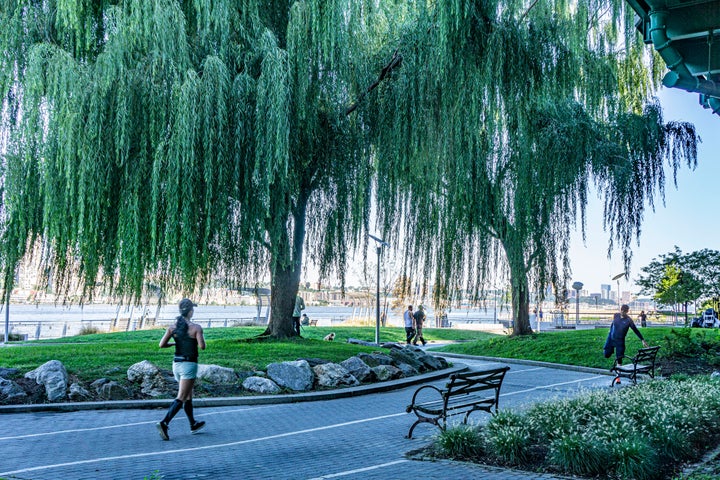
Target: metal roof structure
{"type": "Point", "coordinates": [686, 34]}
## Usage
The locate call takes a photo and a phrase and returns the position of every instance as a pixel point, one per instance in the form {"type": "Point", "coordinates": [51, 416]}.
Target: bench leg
{"type": "Point", "coordinates": [420, 420]}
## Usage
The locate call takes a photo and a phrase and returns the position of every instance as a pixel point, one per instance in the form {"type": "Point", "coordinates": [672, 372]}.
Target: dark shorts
{"type": "Point", "coordinates": [617, 347]}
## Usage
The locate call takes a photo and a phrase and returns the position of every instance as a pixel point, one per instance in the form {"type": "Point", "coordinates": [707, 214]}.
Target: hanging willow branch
{"type": "Point", "coordinates": [395, 62]}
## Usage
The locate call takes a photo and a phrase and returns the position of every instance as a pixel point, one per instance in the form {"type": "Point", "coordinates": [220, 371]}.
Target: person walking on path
{"type": "Point", "coordinates": [419, 319]}
{"type": "Point", "coordinates": [618, 331]}
{"type": "Point", "coordinates": [188, 338]}
{"type": "Point", "coordinates": [409, 324]}
{"type": "Point", "coordinates": [299, 307]}
{"type": "Point", "coordinates": [643, 318]}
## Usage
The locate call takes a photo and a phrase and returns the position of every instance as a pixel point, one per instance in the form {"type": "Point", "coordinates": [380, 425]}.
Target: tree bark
{"type": "Point", "coordinates": [286, 278]}
{"type": "Point", "coordinates": [520, 290]}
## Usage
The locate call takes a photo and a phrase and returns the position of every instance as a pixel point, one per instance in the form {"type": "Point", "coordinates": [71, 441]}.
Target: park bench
{"type": "Point", "coordinates": [463, 393]}
{"type": "Point", "coordinates": [643, 363]}
{"type": "Point", "coordinates": [313, 322]}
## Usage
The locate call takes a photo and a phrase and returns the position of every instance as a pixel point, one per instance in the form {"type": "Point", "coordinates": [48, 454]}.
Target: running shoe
{"type": "Point", "coordinates": [196, 427]}
{"type": "Point", "coordinates": [163, 430]}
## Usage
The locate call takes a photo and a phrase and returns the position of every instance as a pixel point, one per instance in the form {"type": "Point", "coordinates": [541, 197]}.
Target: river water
{"type": "Point", "coordinates": [53, 321]}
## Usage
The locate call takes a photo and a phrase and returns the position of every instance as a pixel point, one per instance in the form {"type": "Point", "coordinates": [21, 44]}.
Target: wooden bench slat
{"type": "Point", "coordinates": [463, 394]}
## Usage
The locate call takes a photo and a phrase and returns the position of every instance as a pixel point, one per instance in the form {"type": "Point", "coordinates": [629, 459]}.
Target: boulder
{"type": "Point", "coordinates": [152, 382]}
{"type": "Point", "coordinates": [408, 357]}
{"type": "Point", "coordinates": [407, 370]}
{"type": "Point", "coordinates": [260, 385]}
{"type": "Point", "coordinates": [53, 376]}
{"type": "Point", "coordinates": [314, 362]}
{"type": "Point", "coordinates": [216, 374]}
{"type": "Point", "coordinates": [374, 359]}
{"type": "Point", "coordinates": [8, 372]}
{"type": "Point", "coordinates": [10, 391]}
{"type": "Point", "coordinates": [333, 375]}
{"type": "Point", "coordinates": [78, 394]}
{"type": "Point", "coordinates": [296, 375]}
{"type": "Point", "coordinates": [355, 341]}
{"type": "Point", "coordinates": [113, 391]}
{"type": "Point", "coordinates": [358, 369]}
{"type": "Point", "coordinates": [386, 372]}
{"type": "Point", "coordinates": [418, 358]}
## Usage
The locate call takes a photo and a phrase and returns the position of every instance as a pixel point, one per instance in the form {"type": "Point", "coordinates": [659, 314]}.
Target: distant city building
{"type": "Point", "coordinates": [605, 291]}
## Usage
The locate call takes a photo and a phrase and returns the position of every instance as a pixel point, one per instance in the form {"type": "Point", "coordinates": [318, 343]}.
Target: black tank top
{"type": "Point", "coordinates": [186, 347]}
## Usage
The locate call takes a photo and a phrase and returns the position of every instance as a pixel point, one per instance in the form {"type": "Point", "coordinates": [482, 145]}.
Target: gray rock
{"type": "Point", "coordinates": [358, 369]}
{"type": "Point", "coordinates": [407, 370]}
{"type": "Point", "coordinates": [78, 394]}
{"type": "Point", "coordinates": [97, 384]}
{"type": "Point", "coordinates": [152, 382]}
{"type": "Point", "coordinates": [53, 376]}
{"type": "Point", "coordinates": [333, 375]}
{"type": "Point", "coordinates": [355, 341]}
{"type": "Point", "coordinates": [296, 375]}
{"type": "Point", "coordinates": [114, 391]}
{"type": "Point", "coordinates": [374, 359]}
{"type": "Point", "coordinates": [418, 358]}
{"type": "Point", "coordinates": [10, 390]}
{"type": "Point", "coordinates": [260, 385]}
{"type": "Point", "coordinates": [408, 357]}
{"type": "Point", "coordinates": [8, 372]}
{"type": "Point", "coordinates": [386, 372]}
{"type": "Point", "coordinates": [715, 375]}
{"type": "Point", "coordinates": [216, 374]}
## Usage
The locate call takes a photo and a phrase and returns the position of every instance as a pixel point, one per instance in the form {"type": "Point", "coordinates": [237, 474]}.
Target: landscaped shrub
{"type": "Point", "coordinates": [640, 432]}
{"type": "Point", "coordinates": [508, 437]}
{"type": "Point", "coordinates": [460, 442]}
{"type": "Point", "coordinates": [579, 454]}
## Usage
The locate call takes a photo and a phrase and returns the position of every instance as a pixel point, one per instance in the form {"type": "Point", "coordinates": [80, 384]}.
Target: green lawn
{"type": "Point", "coordinates": [109, 355]}
{"type": "Point", "coordinates": [584, 347]}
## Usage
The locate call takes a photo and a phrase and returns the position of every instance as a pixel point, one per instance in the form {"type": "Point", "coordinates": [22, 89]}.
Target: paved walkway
{"type": "Point", "coordinates": [359, 437]}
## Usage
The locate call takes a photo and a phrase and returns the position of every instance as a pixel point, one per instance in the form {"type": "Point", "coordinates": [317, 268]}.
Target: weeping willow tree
{"type": "Point", "coordinates": [174, 142]}
{"type": "Point", "coordinates": [504, 117]}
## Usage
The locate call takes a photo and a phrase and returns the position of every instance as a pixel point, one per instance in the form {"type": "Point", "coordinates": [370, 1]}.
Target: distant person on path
{"type": "Point", "coordinates": [618, 331]}
{"type": "Point", "coordinates": [419, 319]}
{"type": "Point", "coordinates": [188, 338]}
{"type": "Point", "coordinates": [540, 314]}
{"type": "Point", "coordinates": [643, 318]}
{"type": "Point", "coordinates": [299, 307]}
{"type": "Point", "coordinates": [409, 324]}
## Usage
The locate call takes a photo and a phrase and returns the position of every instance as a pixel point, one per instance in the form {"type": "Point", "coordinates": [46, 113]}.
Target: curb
{"type": "Point", "coordinates": [535, 363]}
{"type": "Point", "coordinates": [235, 401]}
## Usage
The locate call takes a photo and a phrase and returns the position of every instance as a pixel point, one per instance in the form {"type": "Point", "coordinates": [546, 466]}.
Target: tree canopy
{"type": "Point", "coordinates": [172, 141]}
{"type": "Point", "coordinates": [677, 277]}
{"type": "Point", "coordinates": [487, 157]}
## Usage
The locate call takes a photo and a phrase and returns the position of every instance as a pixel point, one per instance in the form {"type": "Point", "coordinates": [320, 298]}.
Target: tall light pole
{"type": "Point", "coordinates": [577, 286]}
{"type": "Point", "coordinates": [379, 243]}
{"type": "Point", "coordinates": [617, 279]}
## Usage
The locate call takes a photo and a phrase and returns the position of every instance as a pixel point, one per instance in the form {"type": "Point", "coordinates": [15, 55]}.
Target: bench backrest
{"type": "Point", "coordinates": [646, 355]}
{"type": "Point", "coordinates": [466, 383]}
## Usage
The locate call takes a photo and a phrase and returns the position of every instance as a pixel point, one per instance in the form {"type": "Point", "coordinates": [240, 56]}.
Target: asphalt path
{"type": "Point", "coordinates": [360, 437]}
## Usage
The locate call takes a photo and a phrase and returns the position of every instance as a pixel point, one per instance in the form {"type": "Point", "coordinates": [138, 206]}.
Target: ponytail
{"type": "Point", "coordinates": [181, 325]}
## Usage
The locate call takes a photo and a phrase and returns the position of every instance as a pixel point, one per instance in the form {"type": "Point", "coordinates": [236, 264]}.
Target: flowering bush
{"type": "Point", "coordinates": [638, 432]}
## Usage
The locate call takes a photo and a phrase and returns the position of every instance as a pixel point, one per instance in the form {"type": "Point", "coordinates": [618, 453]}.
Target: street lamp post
{"type": "Point", "coordinates": [617, 279]}
{"type": "Point", "coordinates": [379, 243]}
{"type": "Point", "coordinates": [577, 286]}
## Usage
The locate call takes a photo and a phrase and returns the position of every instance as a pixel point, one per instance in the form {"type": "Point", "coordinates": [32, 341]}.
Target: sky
{"type": "Point", "coordinates": [688, 218]}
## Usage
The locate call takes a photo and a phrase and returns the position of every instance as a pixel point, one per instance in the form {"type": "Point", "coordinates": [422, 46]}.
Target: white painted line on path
{"type": "Point", "coordinates": [358, 470]}
{"type": "Point", "coordinates": [196, 449]}
{"type": "Point", "coordinates": [545, 387]}
{"type": "Point", "coordinates": [121, 425]}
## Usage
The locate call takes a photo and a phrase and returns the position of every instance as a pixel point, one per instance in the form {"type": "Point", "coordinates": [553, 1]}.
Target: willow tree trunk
{"type": "Point", "coordinates": [286, 276]}
{"type": "Point", "coordinates": [519, 289]}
